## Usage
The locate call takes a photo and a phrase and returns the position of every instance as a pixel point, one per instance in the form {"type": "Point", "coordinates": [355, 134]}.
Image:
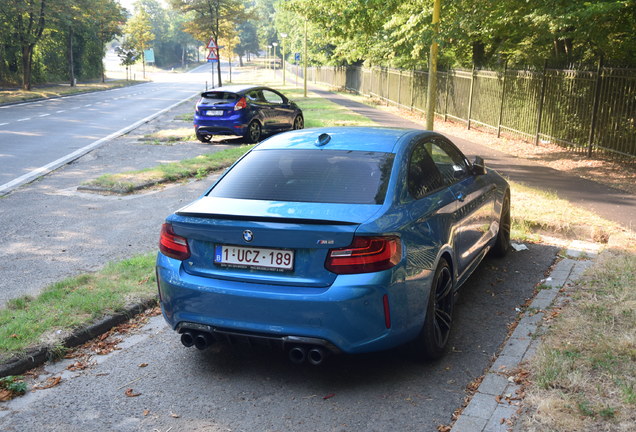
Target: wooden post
{"type": "Point", "coordinates": [503, 94]}
{"type": "Point", "coordinates": [597, 96]}
{"type": "Point", "coordinates": [541, 97]}
{"type": "Point", "coordinates": [470, 96]}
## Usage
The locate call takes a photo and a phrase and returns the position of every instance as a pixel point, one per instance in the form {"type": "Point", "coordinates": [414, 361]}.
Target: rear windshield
{"type": "Point", "coordinates": [322, 176]}
{"type": "Point", "coordinates": [218, 97]}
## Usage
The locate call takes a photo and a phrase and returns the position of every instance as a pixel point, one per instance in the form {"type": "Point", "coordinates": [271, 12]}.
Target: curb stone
{"type": "Point", "coordinates": [35, 357]}
{"type": "Point", "coordinates": [495, 405]}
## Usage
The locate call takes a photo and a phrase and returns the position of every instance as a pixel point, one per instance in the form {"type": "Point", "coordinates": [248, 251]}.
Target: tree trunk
{"type": "Point", "coordinates": [71, 69]}
{"type": "Point", "coordinates": [27, 61]}
{"type": "Point", "coordinates": [240, 61]}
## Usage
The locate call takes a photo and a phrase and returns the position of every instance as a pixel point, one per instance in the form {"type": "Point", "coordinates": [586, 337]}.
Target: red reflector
{"type": "Point", "coordinates": [242, 103]}
{"type": "Point", "coordinates": [365, 255]}
{"type": "Point", "coordinates": [387, 311]}
{"type": "Point", "coordinates": [172, 245]}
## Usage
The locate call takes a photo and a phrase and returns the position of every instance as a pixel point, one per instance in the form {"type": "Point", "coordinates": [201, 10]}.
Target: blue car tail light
{"type": "Point", "coordinates": [365, 255]}
{"type": "Point", "coordinates": [172, 245]}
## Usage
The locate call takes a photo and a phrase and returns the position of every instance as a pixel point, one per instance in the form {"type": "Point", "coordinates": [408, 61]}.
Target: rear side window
{"type": "Point", "coordinates": [327, 176]}
{"type": "Point", "coordinates": [210, 98]}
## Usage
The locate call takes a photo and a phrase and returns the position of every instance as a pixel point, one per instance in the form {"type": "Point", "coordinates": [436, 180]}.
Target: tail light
{"type": "Point", "coordinates": [365, 255]}
{"type": "Point", "coordinates": [242, 103]}
{"type": "Point", "coordinates": [172, 245]}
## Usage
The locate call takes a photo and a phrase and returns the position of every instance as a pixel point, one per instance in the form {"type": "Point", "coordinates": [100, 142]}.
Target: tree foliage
{"type": "Point", "coordinates": [50, 40]}
{"type": "Point", "coordinates": [479, 32]}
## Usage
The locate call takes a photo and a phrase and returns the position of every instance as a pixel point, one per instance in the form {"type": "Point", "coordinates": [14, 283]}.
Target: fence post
{"type": "Point", "coordinates": [412, 88]}
{"type": "Point", "coordinates": [399, 98]}
{"type": "Point", "coordinates": [597, 96]}
{"type": "Point", "coordinates": [541, 97]}
{"type": "Point", "coordinates": [470, 96]}
{"type": "Point", "coordinates": [448, 74]}
{"type": "Point", "coordinates": [503, 93]}
{"type": "Point", "coordinates": [386, 95]}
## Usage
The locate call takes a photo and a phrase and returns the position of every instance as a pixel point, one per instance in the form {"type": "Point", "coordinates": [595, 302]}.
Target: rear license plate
{"type": "Point", "coordinates": [214, 113]}
{"type": "Point", "coordinates": [255, 258]}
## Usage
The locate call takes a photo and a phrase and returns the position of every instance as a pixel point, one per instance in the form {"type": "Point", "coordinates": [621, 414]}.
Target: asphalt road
{"type": "Point", "coordinates": [51, 231]}
{"type": "Point", "coordinates": [223, 389]}
{"type": "Point", "coordinates": [36, 137]}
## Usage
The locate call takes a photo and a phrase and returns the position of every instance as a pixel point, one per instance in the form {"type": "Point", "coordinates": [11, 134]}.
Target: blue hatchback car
{"type": "Point", "coordinates": [335, 240]}
{"type": "Point", "coordinates": [246, 111]}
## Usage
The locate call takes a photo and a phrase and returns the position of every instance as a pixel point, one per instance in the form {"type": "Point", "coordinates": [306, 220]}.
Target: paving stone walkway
{"type": "Point", "coordinates": [495, 405]}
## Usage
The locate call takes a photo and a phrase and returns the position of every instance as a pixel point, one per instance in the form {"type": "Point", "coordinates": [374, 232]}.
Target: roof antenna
{"type": "Point", "coordinates": [322, 140]}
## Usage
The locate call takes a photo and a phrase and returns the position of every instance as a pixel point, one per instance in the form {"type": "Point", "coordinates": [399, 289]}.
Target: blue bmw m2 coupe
{"type": "Point", "coordinates": [334, 240]}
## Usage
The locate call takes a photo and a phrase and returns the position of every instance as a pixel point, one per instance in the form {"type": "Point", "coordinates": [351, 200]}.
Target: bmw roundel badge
{"type": "Point", "coordinates": [248, 236]}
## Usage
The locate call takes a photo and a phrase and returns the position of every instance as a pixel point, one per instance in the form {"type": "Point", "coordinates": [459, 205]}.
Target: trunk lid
{"type": "Point", "coordinates": [267, 229]}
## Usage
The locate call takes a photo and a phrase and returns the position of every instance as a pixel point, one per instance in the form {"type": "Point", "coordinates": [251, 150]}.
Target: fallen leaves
{"type": "Point", "coordinates": [131, 393]}
{"type": "Point", "coordinates": [6, 395]}
{"type": "Point", "coordinates": [329, 396]}
{"type": "Point", "coordinates": [49, 383]}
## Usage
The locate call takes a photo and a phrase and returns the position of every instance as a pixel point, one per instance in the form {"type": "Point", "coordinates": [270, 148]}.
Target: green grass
{"type": "Point", "coordinates": [534, 211]}
{"type": "Point", "coordinates": [319, 112]}
{"type": "Point", "coordinates": [49, 91]}
{"type": "Point", "coordinates": [76, 301]}
{"type": "Point", "coordinates": [584, 375]}
{"type": "Point", "coordinates": [197, 167]}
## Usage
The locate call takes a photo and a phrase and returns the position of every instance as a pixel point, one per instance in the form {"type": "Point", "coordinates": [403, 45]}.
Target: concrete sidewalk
{"type": "Point", "coordinates": [497, 403]}
{"type": "Point", "coordinates": [610, 203]}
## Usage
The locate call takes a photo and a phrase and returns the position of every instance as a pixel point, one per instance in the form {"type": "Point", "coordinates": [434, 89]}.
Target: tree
{"type": "Point", "coordinates": [211, 18]}
{"type": "Point", "coordinates": [139, 31]}
{"type": "Point", "coordinates": [27, 20]}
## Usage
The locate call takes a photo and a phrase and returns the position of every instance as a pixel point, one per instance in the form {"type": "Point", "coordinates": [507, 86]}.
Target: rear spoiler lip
{"type": "Point", "coordinates": [275, 219]}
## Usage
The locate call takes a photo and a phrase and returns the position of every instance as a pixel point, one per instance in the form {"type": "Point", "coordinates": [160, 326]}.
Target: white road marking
{"type": "Point", "coordinates": [24, 119]}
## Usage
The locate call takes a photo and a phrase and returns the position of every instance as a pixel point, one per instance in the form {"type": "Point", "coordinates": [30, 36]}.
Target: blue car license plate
{"type": "Point", "coordinates": [214, 113]}
{"type": "Point", "coordinates": [256, 258]}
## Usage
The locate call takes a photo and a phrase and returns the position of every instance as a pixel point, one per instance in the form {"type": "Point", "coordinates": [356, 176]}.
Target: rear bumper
{"type": "Point", "coordinates": [232, 126]}
{"type": "Point", "coordinates": [348, 316]}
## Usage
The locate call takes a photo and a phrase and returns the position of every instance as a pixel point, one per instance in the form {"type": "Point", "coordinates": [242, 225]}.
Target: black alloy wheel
{"type": "Point", "coordinates": [253, 132]}
{"type": "Point", "coordinates": [299, 123]}
{"type": "Point", "coordinates": [502, 242]}
{"type": "Point", "coordinates": [433, 338]}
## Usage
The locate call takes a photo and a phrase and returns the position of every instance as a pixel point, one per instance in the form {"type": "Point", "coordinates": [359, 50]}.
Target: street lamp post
{"type": "Point", "coordinates": [283, 36]}
{"type": "Point", "coordinates": [275, 44]}
{"type": "Point", "coordinates": [269, 58]}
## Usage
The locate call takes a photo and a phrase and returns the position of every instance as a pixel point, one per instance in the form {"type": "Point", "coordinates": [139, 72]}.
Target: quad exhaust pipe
{"type": "Point", "coordinates": [200, 340]}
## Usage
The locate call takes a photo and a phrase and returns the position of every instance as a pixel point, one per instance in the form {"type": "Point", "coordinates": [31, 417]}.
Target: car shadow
{"type": "Point", "coordinates": [487, 304]}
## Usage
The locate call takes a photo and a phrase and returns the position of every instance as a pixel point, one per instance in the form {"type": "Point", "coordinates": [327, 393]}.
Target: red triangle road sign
{"type": "Point", "coordinates": [211, 44]}
{"type": "Point", "coordinates": [213, 55]}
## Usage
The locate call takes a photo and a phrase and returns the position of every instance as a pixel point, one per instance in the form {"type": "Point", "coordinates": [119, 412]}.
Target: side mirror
{"type": "Point", "coordinates": [479, 167]}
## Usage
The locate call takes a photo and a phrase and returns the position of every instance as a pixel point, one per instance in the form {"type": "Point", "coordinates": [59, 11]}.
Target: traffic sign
{"type": "Point", "coordinates": [212, 44]}
{"type": "Point", "coordinates": [213, 55]}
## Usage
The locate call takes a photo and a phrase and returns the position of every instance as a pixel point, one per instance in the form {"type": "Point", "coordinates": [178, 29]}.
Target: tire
{"type": "Point", "coordinates": [432, 341]}
{"type": "Point", "coordinates": [253, 134]}
{"type": "Point", "coordinates": [299, 123]}
{"type": "Point", "coordinates": [502, 241]}
{"type": "Point", "coordinates": [204, 138]}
